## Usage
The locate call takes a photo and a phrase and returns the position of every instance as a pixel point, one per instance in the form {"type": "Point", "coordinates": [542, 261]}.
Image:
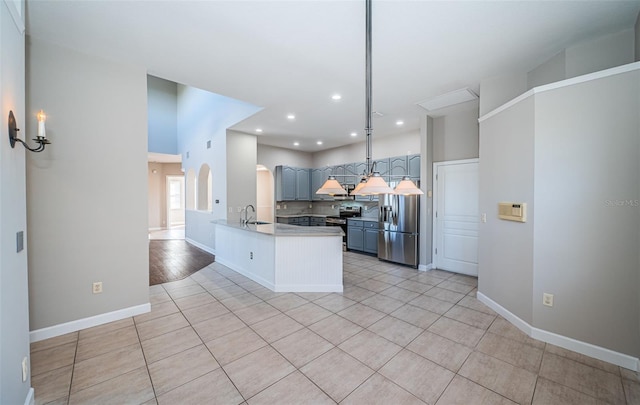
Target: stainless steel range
{"type": "Point", "coordinates": [341, 219]}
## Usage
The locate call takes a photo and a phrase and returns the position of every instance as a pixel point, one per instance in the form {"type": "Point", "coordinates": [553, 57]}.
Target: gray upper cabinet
{"type": "Point", "coordinates": [413, 164]}
{"type": "Point", "coordinates": [318, 177]}
{"type": "Point", "coordinates": [292, 184]}
{"type": "Point", "coordinates": [397, 168]}
{"type": "Point", "coordinates": [382, 166]}
{"type": "Point", "coordinates": [303, 185]}
{"type": "Point", "coordinates": [350, 174]}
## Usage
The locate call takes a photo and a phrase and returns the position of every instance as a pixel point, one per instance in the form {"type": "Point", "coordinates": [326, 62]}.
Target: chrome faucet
{"type": "Point", "coordinates": [246, 211]}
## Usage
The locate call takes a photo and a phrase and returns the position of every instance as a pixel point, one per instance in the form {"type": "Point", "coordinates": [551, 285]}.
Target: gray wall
{"type": "Point", "coordinates": [578, 148]}
{"type": "Point", "coordinates": [14, 296]}
{"type": "Point", "coordinates": [272, 156]}
{"type": "Point", "coordinates": [497, 90]}
{"type": "Point", "coordinates": [426, 202]}
{"type": "Point", "coordinates": [600, 53]}
{"type": "Point", "coordinates": [162, 96]}
{"type": "Point", "coordinates": [87, 192]}
{"type": "Point", "coordinates": [157, 191]}
{"type": "Point", "coordinates": [455, 135]}
{"type": "Point", "coordinates": [241, 172]}
{"type": "Point", "coordinates": [637, 39]}
{"type": "Point", "coordinates": [551, 71]}
{"type": "Point", "coordinates": [204, 117]}
{"type": "Point", "coordinates": [587, 221]}
{"type": "Point", "coordinates": [505, 248]}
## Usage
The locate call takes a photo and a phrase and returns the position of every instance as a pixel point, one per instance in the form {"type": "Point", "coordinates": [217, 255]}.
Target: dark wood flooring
{"type": "Point", "coordinates": [171, 260]}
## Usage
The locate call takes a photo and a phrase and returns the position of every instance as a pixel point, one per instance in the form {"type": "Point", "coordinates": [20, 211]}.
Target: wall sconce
{"type": "Point", "coordinates": [41, 138]}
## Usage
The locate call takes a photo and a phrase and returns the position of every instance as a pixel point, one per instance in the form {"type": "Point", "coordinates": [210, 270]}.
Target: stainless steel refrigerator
{"type": "Point", "coordinates": [398, 229]}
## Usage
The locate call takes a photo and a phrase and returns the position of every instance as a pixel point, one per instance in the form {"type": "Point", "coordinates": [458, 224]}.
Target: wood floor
{"type": "Point", "coordinates": [172, 260]}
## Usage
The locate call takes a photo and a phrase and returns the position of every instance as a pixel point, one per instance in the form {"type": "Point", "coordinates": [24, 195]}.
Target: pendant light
{"type": "Point", "coordinates": [331, 187]}
{"type": "Point", "coordinates": [374, 184]}
{"type": "Point", "coordinates": [407, 187]}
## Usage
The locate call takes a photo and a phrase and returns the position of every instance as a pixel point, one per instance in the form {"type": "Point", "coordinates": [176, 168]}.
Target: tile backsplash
{"type": "Point", "coordinates": [369, 209]}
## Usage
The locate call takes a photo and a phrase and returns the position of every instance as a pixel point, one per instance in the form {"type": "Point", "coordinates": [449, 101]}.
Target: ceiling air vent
{"type": "Point", "coordinates": [448, 99]}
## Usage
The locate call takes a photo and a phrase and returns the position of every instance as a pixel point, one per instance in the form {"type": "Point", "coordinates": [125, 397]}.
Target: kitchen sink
{"type": "Point", "coordinates": [258, 223]}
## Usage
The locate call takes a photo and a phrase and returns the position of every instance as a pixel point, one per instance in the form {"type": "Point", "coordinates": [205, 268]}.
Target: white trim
{"type": "Point", "coordinates": [31, 397]}
{"type": "Point", "coordinates": [199, 245]}
{"type": "Point", "coordinates": [588, 349]}
{"type": "Point", "coordinates": [563, 83]}
{"type": "Point", "coordinates": [68, 327]}
{"type": "Point", "coordinates": [309, 288]}
{"type": "Point", "coordinates": [426, 267]}
{"type": "Point", "coordinates": [16, 14]}
{"type": "Point", "coordinates": [257, 279]}
{"type": "Point", "coordinates": [156, 229]}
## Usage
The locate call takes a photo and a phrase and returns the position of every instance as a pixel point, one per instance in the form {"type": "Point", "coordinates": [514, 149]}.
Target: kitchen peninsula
{"type": "Point", "coordinates": [283, 258]}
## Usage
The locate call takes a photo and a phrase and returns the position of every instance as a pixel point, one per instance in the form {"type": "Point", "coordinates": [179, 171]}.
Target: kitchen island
{"type": "Point", "coordinates": [283, 258]}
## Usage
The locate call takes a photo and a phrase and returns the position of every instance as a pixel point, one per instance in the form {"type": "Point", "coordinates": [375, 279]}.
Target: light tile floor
{"type": "Point", "coordinates": [395, 336]}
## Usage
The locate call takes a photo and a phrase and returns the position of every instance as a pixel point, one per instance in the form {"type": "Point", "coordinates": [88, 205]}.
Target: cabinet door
{"type": "Point", "coordinates": [360, 168]}
{"type": "Point", "coordinates": [382, 166]}
{"type": "Point", "coordinates": [350, 174]}
{"type": "Point", "coordinates": [303, 186]}
{"type": "Point", "coordinates": [355, 239]}
{"type": "Point", "coordinates": [288, 183]}
{"type": "Point", "coordinates": [413, 163]}
{"type": "Point", "coordinates": [398, 168]}
{"type": "Point", "coordinates": [371, 240]}
{"type": "Point", "coordinates": [318, 177]}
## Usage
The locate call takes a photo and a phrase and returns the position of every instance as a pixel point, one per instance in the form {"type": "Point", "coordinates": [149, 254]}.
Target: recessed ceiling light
{"type": "Point", "coordinates": [336, 97]}
{"type": "Point", "coordinates": [354, 134]}
{"type": "Point", "coordinates": [258, 129]}
{"type": "Point", "coordinates": [398, 123]}
{"type": "Point", "coordinates": [296, 144]}
{"type": "Point", "coordinates": [291, 117]}
{"type": "Point", "coordinates": [319, 142]}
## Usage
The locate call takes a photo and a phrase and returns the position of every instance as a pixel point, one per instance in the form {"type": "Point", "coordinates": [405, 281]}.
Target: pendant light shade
{"type": "Point", "coordinates": [356, 191]}
{"type": "Point", "coordinates": [331, 187]}
{"type": "Point", "coordinates": [375, 185]}
{"type": "Point", "coordinates": [407, 187]}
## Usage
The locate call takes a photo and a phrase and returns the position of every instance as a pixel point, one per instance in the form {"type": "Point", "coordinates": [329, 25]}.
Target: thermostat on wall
{"type": "Point", "coordinates": [512, 211]}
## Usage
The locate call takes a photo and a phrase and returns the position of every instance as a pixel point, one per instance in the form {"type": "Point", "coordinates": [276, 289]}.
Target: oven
{"type": "Point", "coordinates": [341, 219]}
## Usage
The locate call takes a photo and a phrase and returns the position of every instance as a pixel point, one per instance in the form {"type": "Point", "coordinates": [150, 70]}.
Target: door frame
{"type": "Point", "coordinates": [183, 197]}
{"type": "Point", "coordinates": [434, 235]}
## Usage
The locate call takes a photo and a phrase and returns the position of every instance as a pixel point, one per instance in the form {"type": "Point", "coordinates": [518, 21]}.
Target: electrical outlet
{"type": "Point", "coordinates": [484, 218]}
{"type": "Point", "coordinates": [25, 369]}
{"type": "Point", "coordinates": [547, 299]}
{"type": "Point", "coordinates": [97, 287]}
{"type": "Point", "coordinates": [310, 205]}
{"type": "Point", "coordinates": [239, 209]}
{"type": "Point", "coordinates": [278, 206]}
{"type": "Point", "coordinates": [230, 210]}
{"type": "Point", "coordinates": [285, 206]}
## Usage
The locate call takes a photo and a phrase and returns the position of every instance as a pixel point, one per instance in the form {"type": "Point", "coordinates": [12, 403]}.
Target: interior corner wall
{"type": "Point", "coordinates": [601, 53]}
{"type": "Point", "coordinates": [426, 202]}
{"type": "Point", "coordinates": [162, 117]}
{"type": "Point", "coordinates": [272, 156]}
{"type": "Point", "coordinates": [506, 173]}
{"type": "Point", "coordinates": [637, 38]}
{"type": "Point", "coordinates": [241, 173]}
{"type": "Point", "coordinates": [203, 119]}
{"type": "Point", "coordinates": [550, 71]}
{"type": "Point", "coordinates": [455, 135]}
{"type": "Point", "coordinates": [587, 206]}
{"type": "Point", "coordinates": [86, 193]}
{"type": "Point", "coordinates": [497, 90]}
{"type": "Point", "coordinates": [14, 295]}
{"type": "Point", "coordinates": [157, 199]}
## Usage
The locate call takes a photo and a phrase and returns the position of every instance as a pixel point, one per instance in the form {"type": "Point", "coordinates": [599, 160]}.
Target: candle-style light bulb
{"type": "Point", "coordinates": [42, 117]}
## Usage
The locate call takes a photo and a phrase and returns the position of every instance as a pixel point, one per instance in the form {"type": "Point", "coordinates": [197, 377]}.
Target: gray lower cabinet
{"type": "Point", "coordinates": [355, 236]}
{"type": "Point", "coordinates": [302, 221]}
{"type": "Point", "coordinates": [317, 221]}
{"type": "Point", "coordinates": [362, 236]}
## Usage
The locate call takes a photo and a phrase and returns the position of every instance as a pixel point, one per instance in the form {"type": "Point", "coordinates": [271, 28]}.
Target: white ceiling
{"type": "Point", "coordinates": [291, 56]}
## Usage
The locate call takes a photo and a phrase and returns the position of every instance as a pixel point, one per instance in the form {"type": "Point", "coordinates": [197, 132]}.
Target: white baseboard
{"type": "Point", "coordinates": [309, 288]}
{"type": "Point", "coordinates": [588, 349]}
{"type": "Point", "coordinates": [425, 267]}
{"type": "Point", "coordinates": [68, 327]}
{"type": "Point", "coordinates": [31, 398]}
{"type": "Point", "coordinates": [257, 279]}
{"type": "Point", "coordinates": [199, 245]}
{"type": "Point", "coordinates": [156, 229]}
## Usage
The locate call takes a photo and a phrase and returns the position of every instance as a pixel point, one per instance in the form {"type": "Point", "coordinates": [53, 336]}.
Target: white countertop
{"type": "Point", "coordinates": [284, 229]}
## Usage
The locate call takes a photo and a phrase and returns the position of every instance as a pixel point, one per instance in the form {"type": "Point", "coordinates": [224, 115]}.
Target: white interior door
{"type": "Point", "coordinates": [175, 201]}
{"type": "Point", "coordinates": [456, 216]}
